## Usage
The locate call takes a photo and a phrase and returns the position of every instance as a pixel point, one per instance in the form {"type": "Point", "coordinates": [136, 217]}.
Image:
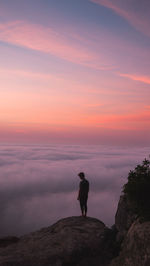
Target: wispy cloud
{"type": "Point", "coordinates": [144, 79]}
{"type": "Point", "coordinates": [47, 40]}
{"type": "Point", "coordinates": [134, 12]}
{"type": "Point", "coordinates": [129, 121]}
{"type": "Point", "coordinates": [26, 74]}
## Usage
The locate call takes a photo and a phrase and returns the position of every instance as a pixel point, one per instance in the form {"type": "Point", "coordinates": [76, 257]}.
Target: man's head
{"type": "Point", "coordinates": [81, 175]}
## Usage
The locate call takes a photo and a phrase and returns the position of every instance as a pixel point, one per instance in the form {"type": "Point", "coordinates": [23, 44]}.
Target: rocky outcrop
{"type": "Point", "coordinates": [7, 241]}
{"type": "Point", "coordinates": [135, 247]}
{"type": "Point", "coordinates": [133, 236]}
{"type": "Point", "coordinates": [124, 217]}
{"type": "Point", "coordinates": [71, 241]}
{"type": "Point", "coordinates": [78, 241]}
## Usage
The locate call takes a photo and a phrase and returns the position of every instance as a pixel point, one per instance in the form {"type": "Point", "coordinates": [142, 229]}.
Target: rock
{"type": "Point", "coordinates": [124, 217]}
{"type": "Point", "coordinates": [9, 240]}
{"type": "Point", "coordinates": [78, 241]}
{"type": "Point", "coordinates": [135, 247]}
{"type": "Point", "coordinates": [133, 237]}
{"type": "Point", "coordinates": [71, 241]}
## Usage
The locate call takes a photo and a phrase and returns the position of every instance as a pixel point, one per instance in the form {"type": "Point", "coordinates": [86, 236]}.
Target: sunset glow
{"type": "Point", "coordinates": [75, 71]}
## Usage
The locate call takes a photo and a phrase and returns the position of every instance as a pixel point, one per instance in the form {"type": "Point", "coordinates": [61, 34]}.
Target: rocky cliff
{"type": "Point", "coordinates": [133, 236]}
{"type": "Point", "coordinates": [71, 241]}
{"type": "Point", "coordinates": [78, 241]}
{"type": "Point", "coordinates": [124, 217]}
{"type": "Point", "coordinates": [135, 247]}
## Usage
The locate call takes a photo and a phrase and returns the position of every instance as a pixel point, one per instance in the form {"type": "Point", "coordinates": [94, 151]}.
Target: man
{"type": "Point", "coordinates": [83, 193]}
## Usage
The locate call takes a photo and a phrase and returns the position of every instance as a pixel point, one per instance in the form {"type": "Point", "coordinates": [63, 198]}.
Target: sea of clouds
{"type": "Point", "coordinates": [39, 183]}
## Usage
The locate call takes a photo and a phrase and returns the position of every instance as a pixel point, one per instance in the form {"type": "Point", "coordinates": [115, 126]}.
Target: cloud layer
{"type": "Point", "coordinates": [39, 184]}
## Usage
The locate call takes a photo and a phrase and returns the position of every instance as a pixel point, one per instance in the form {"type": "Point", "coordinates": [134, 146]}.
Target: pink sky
{"type": "Point", "coordinates": [75, 76]}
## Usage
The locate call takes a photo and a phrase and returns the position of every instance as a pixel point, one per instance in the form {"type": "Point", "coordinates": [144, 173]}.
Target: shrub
{"type": "Point", "coordinates": [137, 189]}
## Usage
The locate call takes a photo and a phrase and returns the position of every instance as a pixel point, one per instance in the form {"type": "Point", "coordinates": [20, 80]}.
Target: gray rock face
{"type": "Point", "coordinates": [125, 216]}
{"type": "Point", "coordinates": [6, 241]}
{"type": "Point", "coordinates": [77, 241]}
{"type": "Point", "coordinates": [136, 246]}
{"type": "Point", "coordinates": [71, 241]}
{"type": "Point", "coordinates": [134, 235]}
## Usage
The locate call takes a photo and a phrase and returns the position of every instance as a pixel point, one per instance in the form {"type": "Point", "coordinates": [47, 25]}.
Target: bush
{"type": "Point", "coordinates": [137, 189]}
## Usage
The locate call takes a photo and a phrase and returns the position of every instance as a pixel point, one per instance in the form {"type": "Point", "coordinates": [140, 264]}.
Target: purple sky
{"type": "Point", "coordinates": [71, 72]}
{"type": "Point", "coordinates": [75, 71]}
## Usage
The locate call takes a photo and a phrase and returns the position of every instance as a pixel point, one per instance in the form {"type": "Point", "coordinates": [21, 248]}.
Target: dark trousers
{"type": "Point", "coordinates": [83, 204]}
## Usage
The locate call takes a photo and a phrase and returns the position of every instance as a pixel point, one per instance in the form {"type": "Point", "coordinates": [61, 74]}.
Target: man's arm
{"type": "Point", "coordinates": [79, 191]}
{"type": "Point", "coordinates": [78, 195]}
{"type": "Point", "coordinates": [88, 186]}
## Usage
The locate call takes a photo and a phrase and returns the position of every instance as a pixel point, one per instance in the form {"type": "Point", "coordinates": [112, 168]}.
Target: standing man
{"type": "Point", "coordinates": [83, 193]}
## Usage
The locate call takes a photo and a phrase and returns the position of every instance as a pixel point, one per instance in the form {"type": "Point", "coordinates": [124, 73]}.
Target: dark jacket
{"type": "Point", "coordinates": [83, 188]}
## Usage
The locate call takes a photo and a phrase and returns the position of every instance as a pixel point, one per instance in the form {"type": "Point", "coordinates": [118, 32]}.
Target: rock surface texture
{"type": "Point", "coordinates": [71, 241]}
{"type": "Point", "coordinates": [124, 217]}
{"type": "Point", "coordinates": [78, 241]}
{"type": "Point", "coordinates": [136, 246]}
{"type": "Point", "coordinates": [133, 237]}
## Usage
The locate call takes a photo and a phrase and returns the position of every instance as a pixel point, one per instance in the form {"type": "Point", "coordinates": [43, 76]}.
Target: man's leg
{"type": "Point", "coordinates": [85, 206]}
{"type": "Point", "coordinates": [82, 206]}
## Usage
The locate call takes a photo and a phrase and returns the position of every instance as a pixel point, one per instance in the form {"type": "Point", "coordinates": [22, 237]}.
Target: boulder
{"type": "Point", "coordinates": [71, 241]}
{"type": "Point", "coordinates": [124, 217]}
{"type": "Point", "coordinates": [135, 247]}
{"type": "Point", "coordinates": [78, 241]}
{"type": "Point", "coordinates": [9, 240]}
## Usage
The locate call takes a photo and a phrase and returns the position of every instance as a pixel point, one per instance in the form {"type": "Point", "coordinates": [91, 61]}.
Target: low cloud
{"type": "Point", "coordinates": [39, 184]}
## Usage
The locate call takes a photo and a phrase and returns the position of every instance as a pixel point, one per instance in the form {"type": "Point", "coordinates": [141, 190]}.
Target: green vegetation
{"type": "Point", "coordinates": [137, 189]}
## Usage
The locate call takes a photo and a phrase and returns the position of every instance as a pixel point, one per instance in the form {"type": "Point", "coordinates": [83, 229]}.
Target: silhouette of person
{"type": "Point", "coordinates": [83, 193]}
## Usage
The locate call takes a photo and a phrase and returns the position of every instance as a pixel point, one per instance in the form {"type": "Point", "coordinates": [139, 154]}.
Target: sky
{"type": "Point", "coordinates": [74, 96]}
{"type": "Point", "coordinates": [39, 183]}
{"type": "Point", "coordinates": [75, 71]}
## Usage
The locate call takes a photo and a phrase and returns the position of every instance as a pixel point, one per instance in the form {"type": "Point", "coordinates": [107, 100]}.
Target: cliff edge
{"type": "Point", "coordinates": [71, 241]}
{"type": "Point", "coordinates": [78, 241]}
{"type": "Point", "coordinates": [135, 249]}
